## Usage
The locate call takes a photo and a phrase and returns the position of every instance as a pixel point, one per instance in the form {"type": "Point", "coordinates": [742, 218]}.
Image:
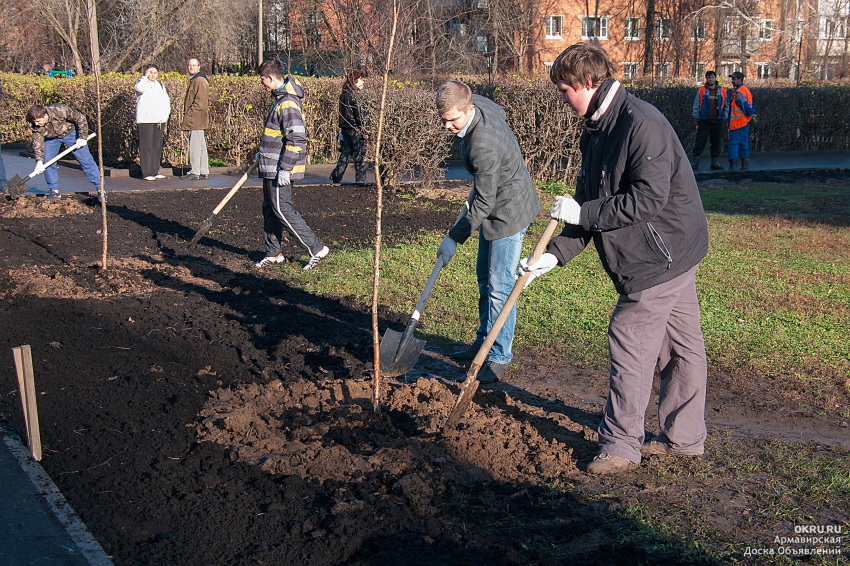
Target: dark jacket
{"type": "Point", "coordinates": [196, 104]}
{"type": "Point", "coordinates": [351, 114]}
{"type": "Point", "coordinates": [283, 145]}
{"type": "Point", "coordinates": [640, 202]}
{"type": "Point", "coordinates": [61, 121]}
{"type": "Point", "coordinates": [503, 200]}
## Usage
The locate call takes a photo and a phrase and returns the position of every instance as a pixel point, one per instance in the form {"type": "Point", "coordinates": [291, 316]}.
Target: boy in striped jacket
{"type": "Point", "coordinates": [282, 155]}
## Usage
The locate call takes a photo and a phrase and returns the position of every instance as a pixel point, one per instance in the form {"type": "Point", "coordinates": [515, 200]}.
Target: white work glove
{"type": "Point", "coordinates": [447, 249]}
{"type": "Point", "coordinates": [39, 169]}
{"type": "Point", "coordinates": [566, 210]}
{"type": "Point", "coordinates": [80, 144]}
{"type": "Point", "coordinates": [545, 264]}
{"type": "Point", "coordinates": [282, 178]}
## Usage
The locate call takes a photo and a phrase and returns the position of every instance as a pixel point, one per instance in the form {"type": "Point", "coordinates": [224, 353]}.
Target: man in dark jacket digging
{"type": "Point", "coordinates": [637, 200]}
{"type": "Point", "coordinates": [501, 205]}
{"type": "Point", "coordinates": [55, 125]}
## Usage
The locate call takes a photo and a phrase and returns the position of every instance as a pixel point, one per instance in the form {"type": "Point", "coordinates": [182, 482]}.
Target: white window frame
{"type": "Point", "coordinates": [833, 28]}
{"type": "Point", "coordinates": [661, 27]}
{"type": "Point", "coordinates": [631, 29]}
{"type": "Point", "coordinates": [765, 70]}
{"type": "Point", "coordinates": [551, 33]}
{"type": "Point", "coordinates": [602, 25]}
{"type": "Point", "coordinates": [547, 67]}
{"type": "Point", "coordinates": [699, 72]}
{"type": "Point", "coordinates": [766, 28]}
{"type": "Point", "coordinates": [699, 27]}
{"type": "Point", "coordinates": [662, 70]}
{"type": "Point", "coordinates": [631, 70]}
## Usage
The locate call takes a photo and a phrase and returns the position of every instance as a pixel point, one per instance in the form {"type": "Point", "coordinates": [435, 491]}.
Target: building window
{"type": "Point", "coordinates": [555, 27]}
{"type": "Point", "coordinates": [766, 30]}
{"type": "Point", "coordinates": [595, 27]}
{"type": "Point", "coordinates": [632, 29]}
{"type": "Point", "coordinates": [833, 28]}
{"type": "Point", "coordinates": [699, 29]}
{"type": "Point", "coordinates": [547, 67]}
{"type": "Point", "coordinates": [481, 44]}
{"type": "Point", "coordinates": [662, 69]}
{"type": "Point", "coordinates": [663, 26]}
{"type": "Point", "coordinates": [730, 28]}
{"type": "Point", "coordinates": [699, 72]}
{"type": "Point", "coordinates": [631, 70]}
{"type": "Point", "coordinates": [764, 70]}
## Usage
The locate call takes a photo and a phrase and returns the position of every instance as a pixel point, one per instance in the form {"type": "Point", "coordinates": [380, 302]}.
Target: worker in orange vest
{"type": "Point", "coordinates": [741, 111]}
{"type": "Point", "coordinates": [710, 111]}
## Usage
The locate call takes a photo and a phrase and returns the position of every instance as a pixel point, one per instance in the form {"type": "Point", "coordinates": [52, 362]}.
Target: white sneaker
{"type": "Point", "coordinates": [314, 260]}
{"type": "Point", "coordinates": [270, 260]}
{"type": "Point", "coordinates": [159, 176]}
{"type": "Point", "coordinates": [150, 178]}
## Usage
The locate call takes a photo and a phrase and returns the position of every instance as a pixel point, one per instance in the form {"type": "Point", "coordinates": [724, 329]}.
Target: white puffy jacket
{"type": "Point", "coordinates": [153, 106]}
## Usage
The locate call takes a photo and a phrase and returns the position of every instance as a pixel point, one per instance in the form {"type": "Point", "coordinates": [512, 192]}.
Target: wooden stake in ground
{"type": "Point", "coordinates": [26, 385]}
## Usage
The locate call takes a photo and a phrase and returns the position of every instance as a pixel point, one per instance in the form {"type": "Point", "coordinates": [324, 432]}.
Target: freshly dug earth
{"type": "Point", "coordinates": [197, 411]}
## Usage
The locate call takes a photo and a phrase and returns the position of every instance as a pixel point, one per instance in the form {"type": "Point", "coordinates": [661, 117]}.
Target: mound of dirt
{"type": "Point", "coordinates": [197, 411]}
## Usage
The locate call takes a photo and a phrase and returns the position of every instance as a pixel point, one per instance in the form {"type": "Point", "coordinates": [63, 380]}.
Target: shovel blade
{"type": "Point", "coordinates": [15, 187]}
{"type": "Point", "coordinates": [394, 361]}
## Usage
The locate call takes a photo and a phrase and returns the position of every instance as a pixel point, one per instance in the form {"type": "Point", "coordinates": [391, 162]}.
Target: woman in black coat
{"type": "Point", "coordinates": [352, 122]}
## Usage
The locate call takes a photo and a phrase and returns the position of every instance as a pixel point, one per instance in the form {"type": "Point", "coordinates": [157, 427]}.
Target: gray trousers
{"type": "Point", "coordinates": [278, 213]}
{"type": "Point", "coordinates": [656, 327]}
{"type": "Point", "coordinates": [198, 158]}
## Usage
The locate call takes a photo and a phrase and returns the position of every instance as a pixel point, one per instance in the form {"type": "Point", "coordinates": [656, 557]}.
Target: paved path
{"type": "Point", "coordinates": [72, 180]}
{"type": "Point", "coordinates": [36, 524]}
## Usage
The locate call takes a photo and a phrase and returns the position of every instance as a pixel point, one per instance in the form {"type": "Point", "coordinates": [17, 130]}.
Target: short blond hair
{"type": "Point", "coordinates": [453, 95]}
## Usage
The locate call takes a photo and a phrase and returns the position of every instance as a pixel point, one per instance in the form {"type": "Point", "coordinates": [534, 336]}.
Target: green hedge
{"type": "Point", "coordinates": [808, 117]}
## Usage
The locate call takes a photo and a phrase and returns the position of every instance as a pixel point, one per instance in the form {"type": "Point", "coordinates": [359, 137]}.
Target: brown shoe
{"type": "Point", "coordinates": [607, 464]}
{"type": "Point", "coordinates": [655, 448]}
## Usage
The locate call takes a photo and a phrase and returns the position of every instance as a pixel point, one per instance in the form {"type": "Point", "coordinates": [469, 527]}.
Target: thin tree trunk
{"type": "Point", "coordinates": [376, 337]}
{"type": "Point", "coordinates": [94, 42]}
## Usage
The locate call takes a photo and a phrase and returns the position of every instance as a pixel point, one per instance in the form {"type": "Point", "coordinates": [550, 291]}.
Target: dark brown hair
{"type": "Point", "coordinates": [579, 61]}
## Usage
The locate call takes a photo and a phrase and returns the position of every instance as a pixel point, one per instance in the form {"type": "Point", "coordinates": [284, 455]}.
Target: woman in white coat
{"type": "Point", "coordinates": [153, 106]}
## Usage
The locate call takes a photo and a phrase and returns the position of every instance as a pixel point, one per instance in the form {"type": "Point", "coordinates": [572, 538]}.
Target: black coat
{"type": "Point", "coordinates": [351, 114]}
{"type": "Point", "coordinates": [640, 201]}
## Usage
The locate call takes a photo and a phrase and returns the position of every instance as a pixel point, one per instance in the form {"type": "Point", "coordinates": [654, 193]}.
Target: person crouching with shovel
{"type": "Point", "coordinates": [53, 126]}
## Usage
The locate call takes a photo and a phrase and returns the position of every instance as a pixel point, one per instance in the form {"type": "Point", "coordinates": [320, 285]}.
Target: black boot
{"type": "Point", "coordinates": [733, 164]}
{"type": "Point", "coordinates": [715, 165]}
{"type": "Point", "coordinates": [745, 164]}
{"type": "Point", "coordinates": [695, 162]}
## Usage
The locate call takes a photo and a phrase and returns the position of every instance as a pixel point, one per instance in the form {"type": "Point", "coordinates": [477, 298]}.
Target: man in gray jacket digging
{"type": "Point", "coordinates": [501, 205]}
{"type": "Point", "coordinates": [637, 200]}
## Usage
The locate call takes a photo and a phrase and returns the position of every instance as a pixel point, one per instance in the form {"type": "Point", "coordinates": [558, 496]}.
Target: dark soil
{"type": "Point", "coordinates": [196, 411]}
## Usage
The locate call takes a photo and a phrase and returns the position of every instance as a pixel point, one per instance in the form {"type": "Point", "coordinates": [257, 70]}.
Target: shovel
{"type": "Point", "coordinates": [399, 352]}
{"type": "Point", "coordinates": [17, 186]}
{"type": "Point", "coordinates": [208, 222]}
{"type": "Point", "coordinates": [470, 384]}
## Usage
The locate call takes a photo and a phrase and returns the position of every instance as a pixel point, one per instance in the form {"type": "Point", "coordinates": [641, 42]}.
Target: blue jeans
{"type": "Point", "coordinates": [496, 270]}
{"type": "Point", "coordinates": [51, 150]}
{"type": "Point", "coordinates": [739, 142]}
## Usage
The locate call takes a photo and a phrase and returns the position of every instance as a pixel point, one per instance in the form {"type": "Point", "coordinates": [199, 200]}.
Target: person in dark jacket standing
{"type": "Point", "coordinates": [196, 119]}
{"type": "Point", "coordinates": [637, 200]}
{"type": "Point", "coordinates": [709, 110]}
{"type": "Point", "coordinates": [282, 155]}
{"type": "Point", "coordinates": [502, 203]}
{"type": "Point", "coordinates": [352, 122]}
